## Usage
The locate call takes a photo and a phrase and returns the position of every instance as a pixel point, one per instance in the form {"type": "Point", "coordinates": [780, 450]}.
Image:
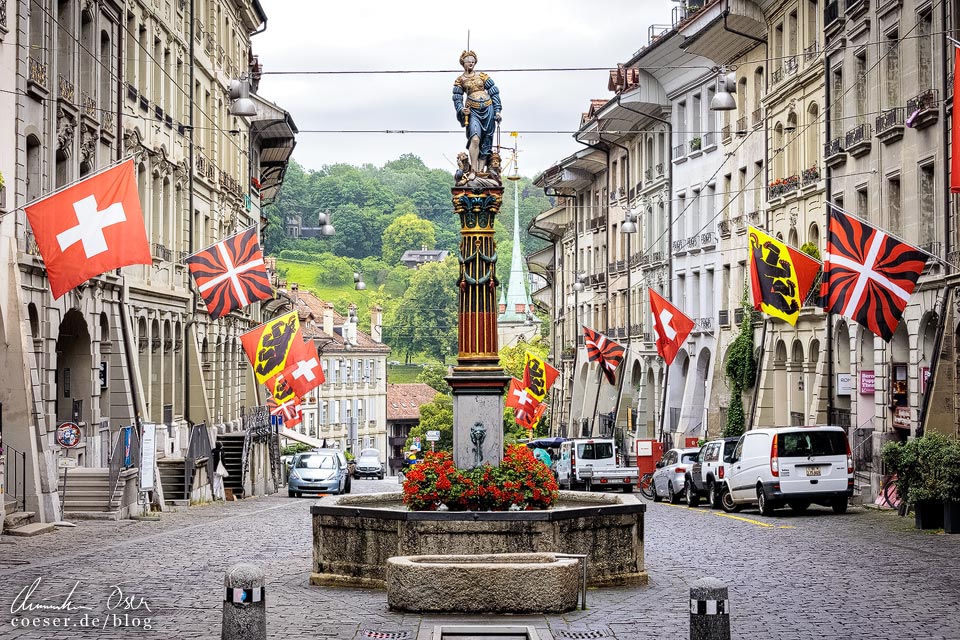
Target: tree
{"type": "Point", "coordinates": [435, 376]}
{"type": "Point", "coordinates": [435, 416]}
{"type": "Point", "coordinates": [741, 370]}
{"type": "Point", "coordinates": [407, 232]}
{"type": "Point", "coordinates": [426, 318]}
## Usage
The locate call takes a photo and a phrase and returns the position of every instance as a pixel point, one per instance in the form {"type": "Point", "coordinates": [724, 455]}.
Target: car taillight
{"type": "Point", "coordinates": [680, 470]}
{"type": "Point", "coordinates": [849, 456]}
{"type": "Point", "coordinates": [720, 472]}
{"type": "Point", "coordinates": [774, 459]}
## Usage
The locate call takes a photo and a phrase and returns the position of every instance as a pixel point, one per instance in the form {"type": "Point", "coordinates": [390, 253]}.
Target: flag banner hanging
{"type": "Point", "coordinates": [518, 397]}
{"type": "Point", "coordinates": [538, 376]}
{"type": "Point", "coordinates": [230, 274]}
{"type": "Point", "coordinates": [780, 276]}
{"type": "Point", "coordinates": [868, 276]}
{"type": "Point", "coordinates": [268, 345]}
{"type": "Point", "coordinates": [670, 325]}
{"type": "Point", "coordinates": [955, 127]}
{"type": "Point", "coordinates": [283, 401]}
{"type": "Point", "coordinates": [529, 419]}
{"type": "Point", "coordinates": [604, 351]}
{"type": "Point", "coordinates": [303, 371]}
{"type": "Point", "coordinates": [90, 228]}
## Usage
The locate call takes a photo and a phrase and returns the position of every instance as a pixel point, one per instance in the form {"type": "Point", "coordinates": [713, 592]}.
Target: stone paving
{"type": "Point", "coordinates": [861, 575]}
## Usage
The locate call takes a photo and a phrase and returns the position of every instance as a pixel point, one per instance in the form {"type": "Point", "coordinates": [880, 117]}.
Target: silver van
{"type": "Point", "coordinates": [794, 466]}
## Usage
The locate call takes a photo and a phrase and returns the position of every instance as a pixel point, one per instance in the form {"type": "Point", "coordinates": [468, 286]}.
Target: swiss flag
{"type": "Point", "coordinates": [519, 397]}
{"type": "Point", "coordinates": [303, 371]}
{"type": "Point", "coordinates": [670, 325]}
{"type": "Point", "coordinates": [90, 228]}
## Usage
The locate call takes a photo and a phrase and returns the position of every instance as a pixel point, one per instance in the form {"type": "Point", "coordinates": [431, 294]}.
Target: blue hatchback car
{"type": "Point", "coordinates": [316, 472]}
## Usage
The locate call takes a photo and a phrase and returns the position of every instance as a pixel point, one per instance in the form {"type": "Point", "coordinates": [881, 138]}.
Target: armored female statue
{"type": "Point", "coordinates": [477, 102]}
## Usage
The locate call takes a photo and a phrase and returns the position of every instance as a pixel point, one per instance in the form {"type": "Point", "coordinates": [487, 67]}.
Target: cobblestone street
{"type": "Point", "coordinates": [860, 575]}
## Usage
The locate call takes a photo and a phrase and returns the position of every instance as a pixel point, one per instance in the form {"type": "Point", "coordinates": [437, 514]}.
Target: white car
{"type": "Point", "coordinates": [795, 466]}
{"type": "Point", "coordinates": [669, 478]}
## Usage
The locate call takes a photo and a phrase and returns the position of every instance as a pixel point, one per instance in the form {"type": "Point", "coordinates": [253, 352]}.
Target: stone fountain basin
{"type": "Point", "coordinates": [487, 583]}
{"type": "Point", "coordinates": [355, 535]}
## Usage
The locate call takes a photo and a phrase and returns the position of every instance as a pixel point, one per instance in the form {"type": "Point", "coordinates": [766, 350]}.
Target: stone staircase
{"type": "Point", "coordinates": [232, 460]}
{"type": "Point", "coordinates": [86, 494]}
{"type": "Point", "coordinates": [174, 484]}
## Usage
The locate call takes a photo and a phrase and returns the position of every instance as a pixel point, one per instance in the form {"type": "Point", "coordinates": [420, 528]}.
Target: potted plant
{"type": "Point", "coordinates": [695, 144]}
{"type": "Point", "coordinates": [950, 479]}
{"type": "Point", "coordinates": [927, 493]}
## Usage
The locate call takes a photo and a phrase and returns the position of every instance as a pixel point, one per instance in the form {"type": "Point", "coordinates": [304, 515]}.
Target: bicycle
{"type": "Point", "coordinates": [889, 496]}
{"type": "Point", "coordinates": [646, 486]}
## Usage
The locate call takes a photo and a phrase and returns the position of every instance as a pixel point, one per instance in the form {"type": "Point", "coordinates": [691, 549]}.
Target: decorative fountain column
{"type": "Point", "coordinates": [478, 381]}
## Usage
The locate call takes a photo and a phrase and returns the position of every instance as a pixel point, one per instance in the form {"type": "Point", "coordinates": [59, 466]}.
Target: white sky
{"type": "Point", "coordinates": [429, 34]}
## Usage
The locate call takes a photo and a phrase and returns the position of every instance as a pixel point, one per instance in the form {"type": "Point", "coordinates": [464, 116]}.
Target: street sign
{"type": "Point", "coordinates": [433, 436]}
{"type": "Point", "coordinates": [416, 443]}
{"type": "Point", "coordinates": [68, 435]}
{"type": "Point", "coordinates": [66, 463]}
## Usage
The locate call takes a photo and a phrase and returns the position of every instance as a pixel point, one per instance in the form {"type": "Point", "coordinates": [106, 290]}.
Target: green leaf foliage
{"type": "Point", "coordinates": [435, 376]}
{"type": "Point", "coordinates": [435, 416]}
{"type": "Point", "coordinates": [408, 232]}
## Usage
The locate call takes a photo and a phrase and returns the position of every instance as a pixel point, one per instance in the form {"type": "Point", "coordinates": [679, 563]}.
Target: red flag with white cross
{"type": "Point", "coordinates": [303, 371]}
{"type": "Point", "coordinates": [670, 325]}
{"type": "Point", "coordinates": [519, 397]}
{"type": "Point", "coordinates": [90, 228]}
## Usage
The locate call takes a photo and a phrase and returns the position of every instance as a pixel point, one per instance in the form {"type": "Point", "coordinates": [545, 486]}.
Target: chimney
{"type": "Point", "coordinates": [328, 318]}
{"type": "Point", "coordinates": [350, 325]}
{"type": "Point", "coordinates": [376, 323]}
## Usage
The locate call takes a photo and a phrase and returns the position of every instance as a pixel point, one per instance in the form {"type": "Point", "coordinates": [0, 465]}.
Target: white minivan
{"type": "Point", "coordinates": [793, 466]}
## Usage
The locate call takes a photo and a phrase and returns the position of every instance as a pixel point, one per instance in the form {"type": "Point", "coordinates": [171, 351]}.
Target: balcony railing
{"type": "Point", "coordinates": [679, 246]}
{"type": "Point", "coordinates": [679, 151]}
{"type": "Point", "coordinates": [724, 228]}
{"type": "Point", "coordinates": [106, 121]}
{"type": "Point", "coordinates": [708, 239]}
{"type": "Point", "coordinates": [706, 324]}
{"type": "Point", "coordinates": [777, 76]}
{"type": "Point", "coordinates": [89, 105]}
{"type": "Point", "coordinates": [811, 52]}
{"type": "Point", "coordinates": [757, 118]}
{"type": "Point", "coordinates": [780, 188]}
{"type": "Point", "coordinates": [742, 126]}
{"type": "Point", "coordinates": [65, 90]}
{"type": "Point", "coordinates": [723, 317]}
{"type": "Point", "coordinates": [725, 134]}
{"type": "Point", "coordinates": [38, 72]}
{"type": "Point", "coordinates": [834, 151]}
{"type": "Point", "coordinates": [659, 169]}
{"type": "Point", "coordinates": [922, 109]}
{"type": "Point", "coordinates": [739, 224]}
{"type": "Point", "coordinates": [831, 13]}
{"type": "Point", "coordinates": [709, 139]}
{"type": "Point", "coordinates": [161, 252]}
{"type": "Point", "coordinates": [790, 65]}
{"type": "Point", "coordinates": [754, 218]}
{"type": "Point", "coordinates": [693, 243]}
{"type": "Point", "coordinates": [890, 124]}
{"type": "Point", "coordinates": [810, 176]}
{"type": "Point", "coordinates": [858, 139]}
{"type": "Point", "coordinates": [3, 13]}
{"type": "Point", "coordinates": [32, 248]}
{"type": "Point", "coordinates": [933, 248]}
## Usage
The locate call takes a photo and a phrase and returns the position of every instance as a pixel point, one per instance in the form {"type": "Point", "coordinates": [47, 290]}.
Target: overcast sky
{"type": "Point", "coordinates": [427, 34]}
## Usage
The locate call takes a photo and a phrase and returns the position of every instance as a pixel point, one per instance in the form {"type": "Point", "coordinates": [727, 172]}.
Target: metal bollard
{"type": "Point", "coordinates": [709, 610]}
{"type": "Point", "coordinates": [244, 606]}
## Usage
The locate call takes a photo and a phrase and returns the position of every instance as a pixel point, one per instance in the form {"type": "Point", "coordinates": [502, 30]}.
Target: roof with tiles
{"type": "Point", "coordinates": [404, 400]}
{"type": "Point", "coordinates": [310, 311]}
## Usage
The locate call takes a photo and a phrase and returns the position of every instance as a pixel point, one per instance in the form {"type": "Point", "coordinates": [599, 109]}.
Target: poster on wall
{"type": "Point", "coordinates": [148, 456]}
{"type": "Point", "coordinates": [866, 383]}
{"type": "Point", "coordinates": [924, 378]}
{"type": "Point", "coordinates": [844, 384]}
{"type": "Point", "coordinates": [901, 417]}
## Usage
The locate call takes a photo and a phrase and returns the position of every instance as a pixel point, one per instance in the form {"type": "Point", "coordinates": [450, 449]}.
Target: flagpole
{"type": "Point", "coordinates": [829, 329]}
{"type": "Point", "coordinates": [663, 400]}
{"type": "Point", "coordinates": [208, 247]}
{"type": "Point", "coordinates": [112, 165]}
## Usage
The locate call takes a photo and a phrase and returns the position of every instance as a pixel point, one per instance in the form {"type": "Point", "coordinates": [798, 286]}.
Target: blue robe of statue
{"type": "Point", "coordinates": [481, 121]}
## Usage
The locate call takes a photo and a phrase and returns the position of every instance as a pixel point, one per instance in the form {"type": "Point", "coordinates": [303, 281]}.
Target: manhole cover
{"type": "Point", "coordinates": [386, 635]}
{"type": "Point", "coordinates": [581, 635]}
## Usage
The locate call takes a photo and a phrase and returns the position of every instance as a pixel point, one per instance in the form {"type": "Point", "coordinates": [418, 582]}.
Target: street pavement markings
{"type": "Point", "coordinates": [731, 516]}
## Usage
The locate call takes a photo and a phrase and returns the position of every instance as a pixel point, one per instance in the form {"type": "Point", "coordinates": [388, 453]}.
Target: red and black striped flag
{"type": "Point", "coordinates": [868, 276]}
{"type": "Point", "coordinates": [605, 351]}
{"type": "Point", "coordinates": [230, 274]}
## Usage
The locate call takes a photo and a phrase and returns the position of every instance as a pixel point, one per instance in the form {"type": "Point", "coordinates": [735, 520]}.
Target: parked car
{"type": "Point", "coordinates": [591, 463]}
{"type": "Point", "coordinates": [670, 477]}
{"type": "Point", "coordinates": [316, 472]}
{"type": "Point", "coordinates": [705, 477]}
{"type": "Point", "coordinates": [346, 464]}
{"type": "Point", "coordinates": [369, 465]}
{"type": "Point", "coordinates": [795, 466]}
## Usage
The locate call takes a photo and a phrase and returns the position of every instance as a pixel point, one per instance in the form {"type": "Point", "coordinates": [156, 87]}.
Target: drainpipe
{"type": "Point", "coordinates": [190, 229]}
{"type": "Point", "coordinates": [828, 183]}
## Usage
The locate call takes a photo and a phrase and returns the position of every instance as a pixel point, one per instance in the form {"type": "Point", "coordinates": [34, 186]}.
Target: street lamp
{"type": "Point", "coordinates": [326, 227]}
{"type": "Point", "coordinates": [726, 86]}
{"type": "Point", "coordinates": [359, 284]}
{"type": "Point", "coordinates": [578, 283]}
{"type": "Point", "coordinates": [630, 226]}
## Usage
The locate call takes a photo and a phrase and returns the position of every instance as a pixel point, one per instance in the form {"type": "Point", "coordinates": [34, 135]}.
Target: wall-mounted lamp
{"type": "Point", "coordinates": [578, 284]}
{"type": "Point", "coordinates": [240, 94]}
{"type": "Point", "coordinates": [630, 226]}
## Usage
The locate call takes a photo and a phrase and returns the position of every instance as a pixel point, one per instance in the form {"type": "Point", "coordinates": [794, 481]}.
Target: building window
{"type": "Point", "coordinates": [894, 223]}
{"type": "Point", "coordinates": [924, 51]}
{"type": "Point", "coordinates": [928, 206]}
{"type": "Point", "coordinates": [863, 210]}
{"type": "Point", "coordinates": [861, 90]}
{"type": "Point", "coordinates": [836, 90]}
{"type": "Point", "coordinates": [891, 77]}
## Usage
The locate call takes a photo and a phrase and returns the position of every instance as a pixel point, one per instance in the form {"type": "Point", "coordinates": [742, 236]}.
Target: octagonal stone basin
{"type": "Point", "coordinates": [354, 535]}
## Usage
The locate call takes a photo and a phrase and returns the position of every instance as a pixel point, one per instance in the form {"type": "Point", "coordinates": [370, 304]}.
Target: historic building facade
{"type": "Point", "coordinates": [100, 82]}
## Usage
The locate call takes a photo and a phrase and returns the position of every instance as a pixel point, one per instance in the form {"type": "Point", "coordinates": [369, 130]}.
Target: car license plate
{"type": "Point", "coordinates": [813, 471]}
